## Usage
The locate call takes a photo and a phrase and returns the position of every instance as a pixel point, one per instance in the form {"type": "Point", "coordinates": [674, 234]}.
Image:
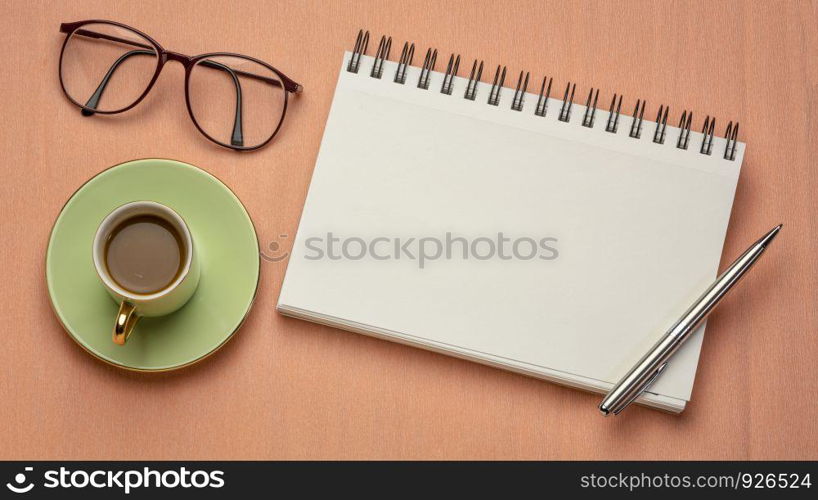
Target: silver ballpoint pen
{"type": "Point", "coordinates": [646, 371]}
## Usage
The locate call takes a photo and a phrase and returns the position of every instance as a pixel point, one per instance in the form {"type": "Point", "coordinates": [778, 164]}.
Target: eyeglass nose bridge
{"type": "Point", "coordinates": [169, 55]}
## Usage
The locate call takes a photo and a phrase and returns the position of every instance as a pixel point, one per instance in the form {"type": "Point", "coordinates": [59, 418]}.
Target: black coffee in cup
{"type": "Point", "coordinates": [144, 254]}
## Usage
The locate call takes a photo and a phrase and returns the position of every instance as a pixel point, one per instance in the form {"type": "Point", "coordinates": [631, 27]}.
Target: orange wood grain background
{"type": "Point", "coordinates": [290, 389]}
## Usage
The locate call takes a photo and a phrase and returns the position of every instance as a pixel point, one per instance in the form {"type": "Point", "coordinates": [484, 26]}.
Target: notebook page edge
{"type": "Point", "coordinates": [658, 401]}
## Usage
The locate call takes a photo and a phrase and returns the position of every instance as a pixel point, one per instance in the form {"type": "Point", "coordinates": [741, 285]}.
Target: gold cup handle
{"type": "Point", "coordinates": [126, 320]}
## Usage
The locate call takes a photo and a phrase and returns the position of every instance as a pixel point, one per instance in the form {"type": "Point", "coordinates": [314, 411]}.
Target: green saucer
{"type": "Point", "coordinates": [227, 247]}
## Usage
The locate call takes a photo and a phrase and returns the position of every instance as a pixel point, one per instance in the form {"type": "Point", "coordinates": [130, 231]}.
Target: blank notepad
{"type": "Point", "coordinates": [637, 228]}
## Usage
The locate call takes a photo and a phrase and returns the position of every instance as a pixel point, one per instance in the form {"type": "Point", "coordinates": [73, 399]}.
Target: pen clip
{"type": "Point", "coordinates": [645, 387]}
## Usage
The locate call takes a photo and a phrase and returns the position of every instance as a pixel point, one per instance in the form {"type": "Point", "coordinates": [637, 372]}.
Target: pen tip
{"type": "Point", "coordinates": [767, 238]}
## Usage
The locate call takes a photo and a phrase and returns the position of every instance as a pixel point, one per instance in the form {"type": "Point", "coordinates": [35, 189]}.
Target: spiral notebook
{"type": "Point", "coordinates": [571, 236]}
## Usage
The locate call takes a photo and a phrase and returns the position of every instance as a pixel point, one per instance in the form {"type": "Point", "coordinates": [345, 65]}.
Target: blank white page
{"type": "Point", "coordinates": [639, 229]}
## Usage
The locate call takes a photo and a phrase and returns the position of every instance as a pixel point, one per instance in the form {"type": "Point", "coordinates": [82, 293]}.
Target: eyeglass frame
{"type": "Point", "coordinates": [163, 56]}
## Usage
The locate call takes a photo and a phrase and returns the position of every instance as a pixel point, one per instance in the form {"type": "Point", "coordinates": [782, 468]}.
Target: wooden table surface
{"type": "Point", "coordinates": [284, 388]}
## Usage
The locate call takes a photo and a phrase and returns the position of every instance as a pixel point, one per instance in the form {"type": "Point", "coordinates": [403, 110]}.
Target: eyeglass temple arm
{"type": "Point", "coordinates": [93, 101]}
{"type": "Point", "coordinates": [289, 85]}
{"type": "Point", "coordinates": [237, 138]}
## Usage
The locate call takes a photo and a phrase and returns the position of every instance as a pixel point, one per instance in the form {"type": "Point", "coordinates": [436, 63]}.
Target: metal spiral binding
{"type": "Point", "coordinates": [590, 110]}
{"type": "Point", "coordinates": [707, 140]}
{"type": "Point", "coordinates": [494, 94]}
{"type": "Point", "coordinates": [684, 132]}
{"type": "Point", "coordinates": [474, 78]}
{"type": "Point", "coordinates": [517, 103]}
{"type": "Point", "coordinates": [405, 61]}
{"type": "Point", "coordinates": [426, 70]}
{"type": "Point", "coordinates": [451, 72]}
{"type": "Point", "coordinates": [381, 55]}
{"type": "Point", "coordinates": [661, 125]}
{"type": "Point", "coordinates": [519, 93]}
{"type": "Point", "coordinates": [732, 139]}
{"type": "Point", "coordinates": [638, 117]}
{"type": "Point", "coordinates": [567, 103]}
{"type": "Point", "coordinates": [542, 100]}
{"type": "Point", "coordinates": [613, 117]}
{"type": "Point", "coordinates": [360, 48]}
